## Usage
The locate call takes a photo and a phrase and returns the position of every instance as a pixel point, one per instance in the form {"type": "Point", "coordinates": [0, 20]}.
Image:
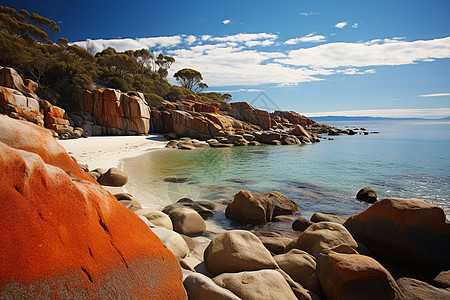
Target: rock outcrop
{"type": "Point", "coordinates": [19, 101]}
{"type": "Point", "coordinates": [245, 112]}
{"type": "Point", "coordinates": [293, 117]}
{"type": "Point", "coordinates": [64, 236]}
{"type": "Point", "coordinates": [410, 230]}
{"type": "Point", "coordinates": [116, 112]}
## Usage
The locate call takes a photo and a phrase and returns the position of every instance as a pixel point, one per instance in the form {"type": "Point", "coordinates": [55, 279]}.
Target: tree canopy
{"type": "Point", "coordinates": [62, 69]}
{"type": "Point", "coordinates": [188, 78]}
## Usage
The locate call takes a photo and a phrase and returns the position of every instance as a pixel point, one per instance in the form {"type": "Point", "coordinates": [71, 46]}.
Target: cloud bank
{"type": "Point", "coordinates": [263, 58]}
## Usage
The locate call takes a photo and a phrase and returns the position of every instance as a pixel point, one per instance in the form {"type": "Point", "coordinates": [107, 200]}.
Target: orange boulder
{"type": "Point", "coordinates": [64, 236]}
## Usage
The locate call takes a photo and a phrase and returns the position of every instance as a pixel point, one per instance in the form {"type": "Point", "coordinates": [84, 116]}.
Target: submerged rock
{"type": "Point", "coordinates": [367, 194]}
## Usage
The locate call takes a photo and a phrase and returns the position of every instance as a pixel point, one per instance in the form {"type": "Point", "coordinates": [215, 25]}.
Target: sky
{"type": "Point", "coordinates": [317, 57]}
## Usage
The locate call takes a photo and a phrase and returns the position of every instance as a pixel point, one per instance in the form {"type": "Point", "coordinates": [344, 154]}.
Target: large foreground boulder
{"type": "Point", "coordinates": [253, 208]}
{"type": "Point", "coordinates": [64, 236]}
{"type": "Point", "coordinates": [410, 230]}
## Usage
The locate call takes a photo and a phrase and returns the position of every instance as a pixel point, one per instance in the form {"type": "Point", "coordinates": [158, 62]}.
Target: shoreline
{"type": "Point", "coordinates": [110, 151]}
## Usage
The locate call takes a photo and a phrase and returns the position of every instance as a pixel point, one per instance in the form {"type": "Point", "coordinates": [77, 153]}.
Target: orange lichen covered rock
{"type": "Point", "coordinates": [292, 117]}
{"type": "Point", "coordinates": [410, 230]}
{"type": "Point", "coordinates": [18, 106]}
{"type": "Point", "coordinates": [245, 112]}
{"type": "Point", "coordinates": [128, 113]}
{"type": "Point", "coordinates": [64, 236]}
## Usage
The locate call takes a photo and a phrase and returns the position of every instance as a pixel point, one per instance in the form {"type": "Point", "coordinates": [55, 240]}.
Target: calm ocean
{"type": "Point", "coordinates": [408, 159]}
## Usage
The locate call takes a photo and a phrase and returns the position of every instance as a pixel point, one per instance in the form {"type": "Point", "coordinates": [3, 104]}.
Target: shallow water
{"type": "Point", "coordinates": [408, 159]}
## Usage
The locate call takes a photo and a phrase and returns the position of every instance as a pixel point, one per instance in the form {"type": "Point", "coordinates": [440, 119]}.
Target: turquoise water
{"type": "Point", "coordinates": [408, 159]}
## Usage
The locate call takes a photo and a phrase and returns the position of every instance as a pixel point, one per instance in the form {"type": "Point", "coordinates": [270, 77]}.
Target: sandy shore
{"type": "Point", "coordinates": [109, 151]}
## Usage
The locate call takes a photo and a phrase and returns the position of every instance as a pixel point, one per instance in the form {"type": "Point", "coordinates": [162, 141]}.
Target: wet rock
{"type": "Point", "coordinates": [300, 224]}
{"type": "Point", "coordinates": [202, 208]}
{"type": "Point", "coordinates": [367, 194]}
{"type": "Point", "coordinates": [176, 179]}
{"type": "Point", "coordinates": [255, 208]}
{"type": "Point", "coordinates": [185, 146]}
{"type": "Point", "coordinates": [264, 284]}
{"type": "Point", "coordinates": [172, 144]}
{"type": "Point", "coordinates": [410, 230]}
{"type": "Point", "coordinates": [113, 177]}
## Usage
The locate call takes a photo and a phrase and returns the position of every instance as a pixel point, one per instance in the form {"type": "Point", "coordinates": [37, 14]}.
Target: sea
{"type": "Point", "coordinates": [406, 159]}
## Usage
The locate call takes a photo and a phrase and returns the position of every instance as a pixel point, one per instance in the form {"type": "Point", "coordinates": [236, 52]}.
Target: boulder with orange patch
{"type": "Point", "coordinates": [64, 236]}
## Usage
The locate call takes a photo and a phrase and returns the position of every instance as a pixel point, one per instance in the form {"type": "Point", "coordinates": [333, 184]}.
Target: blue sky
{"type": "Point", "coordinates": [376, 58]}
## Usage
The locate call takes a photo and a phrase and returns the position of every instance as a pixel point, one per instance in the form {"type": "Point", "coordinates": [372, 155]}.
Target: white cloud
{"type": "Point", "coordinates": [374, 53]}
{"type": "Point", "coordinates": [388, 113]}
{"type": "Point", "coordinates": [309, 13]}
{"type": "Point", "coordinates": [226, 21]}
{"type": "Point", "coordinates": [239, 59]}
{"type": "Point", "coordinates": [435, 95]}
{"type": "Point", "coordinates": [245, 37]}
{"type": "Point", "coordinates": [191, 39]}
{"type": "Point", "coordinates": [341, 25]}
{"type": "Point", "coordinates": [355, 25]}
{"type": "Point", "coordinates": [132, 44]}
{"type": "Point", "coordinates": [312, 38]}
{"type": "Point", "coordinates": [263, 43]}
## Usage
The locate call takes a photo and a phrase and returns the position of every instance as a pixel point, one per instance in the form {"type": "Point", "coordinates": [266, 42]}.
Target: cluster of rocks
{"type": "Point", "coordinates": [295, 135]}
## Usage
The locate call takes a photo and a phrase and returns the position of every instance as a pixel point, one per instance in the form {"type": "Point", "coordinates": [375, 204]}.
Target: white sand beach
{"type": "Point", "coordinates": [108, 151]}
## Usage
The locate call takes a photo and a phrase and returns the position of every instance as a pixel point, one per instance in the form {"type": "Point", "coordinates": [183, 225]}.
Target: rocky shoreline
{"type": "Point", "coordinates": [65, 236]}
{"type": "Point", "coordinates": [396, 249]}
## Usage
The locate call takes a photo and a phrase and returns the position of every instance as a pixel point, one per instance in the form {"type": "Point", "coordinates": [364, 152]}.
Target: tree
{"type": "Point", "coordinates": [200, 87]}
{"type": "Point", "coordinates": [226, 97]}
{"type": "Point", "coordinates": [164, 62]}
{"type": "Point", "coordinates": [188, 78]}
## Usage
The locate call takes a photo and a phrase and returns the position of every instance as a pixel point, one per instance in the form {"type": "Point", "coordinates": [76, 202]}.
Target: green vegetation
{"type": "Point", "coordinates": [62, 70]}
